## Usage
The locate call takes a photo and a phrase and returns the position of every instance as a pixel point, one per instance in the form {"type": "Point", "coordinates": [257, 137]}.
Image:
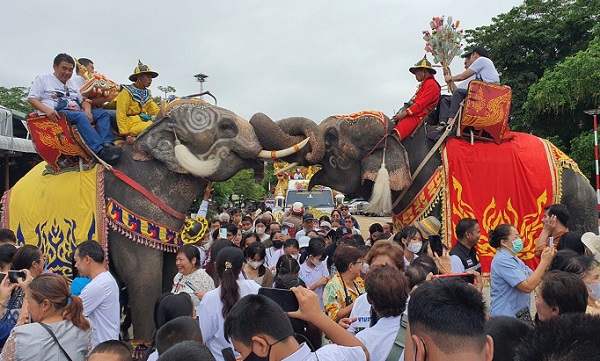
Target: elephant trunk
{"type": "Point", "coordinates": [288, 132]}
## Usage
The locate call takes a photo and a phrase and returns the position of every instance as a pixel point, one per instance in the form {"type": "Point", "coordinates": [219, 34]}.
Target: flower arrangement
{"type": "Point", "coordinates": [443, 42]}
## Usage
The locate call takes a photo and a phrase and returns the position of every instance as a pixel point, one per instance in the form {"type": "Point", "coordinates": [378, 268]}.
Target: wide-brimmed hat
{"type": "Point", "coordinates": [428, 226]}
{"type": "Point", "coordinates": [592, 242]}
{"type": "Point", "coordinates": [423, 64]}
{"type": "Point", "coordinates": [142, 69]}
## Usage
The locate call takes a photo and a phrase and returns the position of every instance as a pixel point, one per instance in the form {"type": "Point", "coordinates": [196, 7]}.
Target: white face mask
{"type": "Point", "coordinates": [364, 268]}
{"type": "Point", "coordinates": [256, 264]}
{"type": "Point", "coordinates": [260, 230]}
{"type": "Point", "coordinates": [594, 291]}
{"type": "Point", "coordinates": [295, 256]}
{"type": "Point", "coordinates": [414, 247]}
{"type": "Point", "coordinates": [316, 262]}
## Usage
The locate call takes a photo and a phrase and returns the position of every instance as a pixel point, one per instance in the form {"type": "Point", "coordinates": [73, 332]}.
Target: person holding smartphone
{"type": "Point", "coordinates": [191, 278]}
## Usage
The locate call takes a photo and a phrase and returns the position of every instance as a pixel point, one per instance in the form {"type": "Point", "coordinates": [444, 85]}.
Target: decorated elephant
{"type": "Point", "coordinates": [137, 209]}
{"type": "Point", "coordinates": [510, 182]}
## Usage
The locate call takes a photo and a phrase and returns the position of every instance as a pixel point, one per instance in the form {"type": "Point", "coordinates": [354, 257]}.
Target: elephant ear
{"type": "Point", "coordinates": [158, 142]}
{"type": "Point", "coordinates": [396, 161]}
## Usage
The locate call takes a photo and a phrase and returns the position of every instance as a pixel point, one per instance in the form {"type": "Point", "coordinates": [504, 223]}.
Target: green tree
{"type": "Point", "coordinates": [166, 89]}
{"type": "Point", "coordinates": [582, 152]}
{"type": "Point", "coordinates": [15, 98]}
{"type": "Point", "coordinates": [243, 184]}
{"type": "Point", "coordinates": [528, 40]}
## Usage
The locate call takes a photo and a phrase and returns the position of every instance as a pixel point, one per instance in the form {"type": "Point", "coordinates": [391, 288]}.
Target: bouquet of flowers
{"type": "Point", "coordinates": [443, 42]}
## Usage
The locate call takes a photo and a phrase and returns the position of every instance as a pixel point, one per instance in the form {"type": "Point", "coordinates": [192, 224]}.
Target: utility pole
{"type": "Point", "coordinates": [594, 113]}
{"type": "Point", "coordinates": [201, 78]}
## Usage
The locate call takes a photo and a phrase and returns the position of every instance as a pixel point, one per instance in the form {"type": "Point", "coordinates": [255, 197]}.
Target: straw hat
{"type": "Point", "coordinates": [429, 226]}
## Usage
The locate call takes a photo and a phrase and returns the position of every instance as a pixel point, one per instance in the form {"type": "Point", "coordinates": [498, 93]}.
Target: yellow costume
{"type": "Point", "coordinates": [134, 108]}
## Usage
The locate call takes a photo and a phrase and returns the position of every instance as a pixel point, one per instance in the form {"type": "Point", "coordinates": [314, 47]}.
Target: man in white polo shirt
{"type": "Point", "coordinates": [101, 296]}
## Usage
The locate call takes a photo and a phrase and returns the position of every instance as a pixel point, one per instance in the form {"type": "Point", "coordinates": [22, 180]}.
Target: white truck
{"type": "Point", "coordinates": [320, 197]}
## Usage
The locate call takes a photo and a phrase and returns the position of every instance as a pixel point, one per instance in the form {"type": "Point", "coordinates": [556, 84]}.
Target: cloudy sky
{"type": "Point", "coordinates": [311, 58]}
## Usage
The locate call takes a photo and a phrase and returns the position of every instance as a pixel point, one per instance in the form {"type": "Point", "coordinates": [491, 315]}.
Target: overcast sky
{"type": "Point", "coordinates": [311, 58]}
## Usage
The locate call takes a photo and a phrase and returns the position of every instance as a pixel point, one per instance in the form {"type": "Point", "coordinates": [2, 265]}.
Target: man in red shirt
{"type": "Point", "coordinates": [424, 101]}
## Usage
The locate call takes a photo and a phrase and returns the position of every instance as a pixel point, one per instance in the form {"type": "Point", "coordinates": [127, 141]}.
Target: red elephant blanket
{"type": "Point", "coordinates": [509, 182]}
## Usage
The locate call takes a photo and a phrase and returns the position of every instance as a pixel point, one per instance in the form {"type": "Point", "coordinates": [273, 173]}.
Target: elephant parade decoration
{"type": "Point", "coordinates": [136, 210]}
{"type": "Point", "coordinates": [509, 182]}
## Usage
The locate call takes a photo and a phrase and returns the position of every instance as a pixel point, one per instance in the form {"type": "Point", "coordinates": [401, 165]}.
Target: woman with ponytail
{"type": "Point", "coordinates": [216, 304]}
{"type": "Point", "coordinates": [58, 329]}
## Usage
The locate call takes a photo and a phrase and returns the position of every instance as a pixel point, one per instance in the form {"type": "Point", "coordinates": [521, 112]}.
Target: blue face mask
{"type": "Point", "coordinates": [517, 245]}
{"type": "Point", "coordinates": [594, 290]}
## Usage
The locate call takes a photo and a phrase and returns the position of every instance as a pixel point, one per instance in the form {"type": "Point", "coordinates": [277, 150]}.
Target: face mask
{"type": "Point", "coordinates": [517, 245]}
{"type": "Point", "coordinates": [295, 256]}
{"type": "Point", "coordinates": [594, 290]}
{"type": "Point", "coordinates": [277, 244]}
{"type": "Point", "coordinates": [256, 264]}
{"type": "Point", "coordinates": [260, 230]}
{"type": "Point", "coordinates": [316, 262]}
{"type": "Point", "coordinates": [364, 268]}
{"type": "Point", "coordinates": [253, 357]}
{"type": "Point", "coordinates": [414, 247]}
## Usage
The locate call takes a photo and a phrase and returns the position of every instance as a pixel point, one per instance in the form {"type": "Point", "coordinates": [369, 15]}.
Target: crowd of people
{"type": "Point", "coordinates": [382, 296]}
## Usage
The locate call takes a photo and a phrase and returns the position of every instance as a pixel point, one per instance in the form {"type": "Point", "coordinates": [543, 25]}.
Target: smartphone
{"type": "Point", "coordinates": [435, 242]}
{"type": "Point", "coordinates": [223, 233]}
{"type": "Point", "coordinates": [228, 354]}
{"type": "Point", "coordinates": [467, 277]}
{"type": "Point", "coordinates": [550, 241]}
{"type": "Point", "coordinates": [187, 283]}
{"type": "Point", "coordinates": [284, 298]}
{"type": "Point", "coordinates": [284, 231]}
{"type": "Point", "coordinates": [13, 276]}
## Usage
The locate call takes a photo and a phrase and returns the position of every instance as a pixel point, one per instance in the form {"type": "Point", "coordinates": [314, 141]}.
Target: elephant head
{"type": "Point", "coordinates": [193, 136]}
{"type": "Point", "coordinates": [349, 148]}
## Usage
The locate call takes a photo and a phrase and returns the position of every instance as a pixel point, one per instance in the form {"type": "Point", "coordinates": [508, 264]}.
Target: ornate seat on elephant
{"type": "Point", "coordinates": [58, 143]}
{"type": "Point", "coordinates": [485, 111]}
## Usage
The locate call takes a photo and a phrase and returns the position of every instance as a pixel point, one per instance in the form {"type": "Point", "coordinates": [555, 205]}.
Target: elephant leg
{"type": "Point", "coordinates": [141, 270]}
{"type": "Point", "coordinates": [580, 199]}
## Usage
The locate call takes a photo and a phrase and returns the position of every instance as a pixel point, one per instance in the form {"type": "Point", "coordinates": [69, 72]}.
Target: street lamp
{"type": "Point", "coordinates": [594, 113]}
{"type": "Point", "coordinates": [201, 78]}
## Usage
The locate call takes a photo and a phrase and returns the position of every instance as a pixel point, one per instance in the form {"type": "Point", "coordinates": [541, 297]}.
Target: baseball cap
{"type": "Point", "coordinates": [592, 242]}
{"type": "Point", "coordinates": [307, 217]}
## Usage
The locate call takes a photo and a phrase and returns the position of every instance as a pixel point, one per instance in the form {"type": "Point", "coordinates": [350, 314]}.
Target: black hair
{"type": "Point", "coordinates": [564, 290]}
{"type": "Point", "coordinates": [426, 263]}
{"type": "Point", "coordinates": [408, 233]}
{"type": "Point", "coordinates": [477, 49]}
{"type": "Point", "coordinates": [375, 227]}
{"type": "Point", "coordinates": [451, 312]}
{"type": "Point", "coordinates": [113, 347]}
{"type": "Point", "coordinates": [465, 225]}
{"type": "Point", "coordinates": [415, 274]}
{"type": "Point", "coordinates": [291, 242]}
{"type": "Point", "coordinates": [92, 249]}
{"type": "Point", "coordinates": [569, 261]}
{"type": "Point", "coordinates": [324, 218]}
{"type": "Point", "coordinates": [7, 252]}
{"type": "Point", "coordinates": [387, 290]}
{"type": "Point", "coordinates": [219, 245]}
{"type": "Point", "coordinates": [571, 240]}
{"type": "Point", "coordinates": [229, 263]}
{"type": "Point", "coordinates": [190, 252]}
{"type": "Point", "coordinates": [232, 228]}
{"type": "Point", "coordinates": [359, 239]}
{"type": "Point", "coordinates": [25, 256]}
{"type": "Point", "coordinates": [187, 350]}
{"type": "Point", "coordinates": [560, 211]}
{"type": "Point", "coordinates": [170, 306]}
{"type": "Point", "coordinates": [256, 248]}
{"type": "Point", "coordinates": [566, 338]}
{"type": "Point", "coordinates": [265, 316]}
{"type": "Point", "coordinates": [63, 57]}
{"type": "Point", "coordinates": [286, 264]}
{"type": "Point", "coordinates": [180, 329]}
{"type": "Point", "coordinates": [502, 232]}
{"type": "Point", "coordinates": [84, 62]}
{"type": "Point", "coordinates": [260, 221]}
{"type": "Point", "coordinates": [344, 256]}
{"type": "Point", "coordinates": [316, 247]}
{"type": "Point", "coordinates": [507, 333]}
{"type": "Point", "coordinates": [215, 220]}
{"type": "Point", "coordinates": [288, 281]}
{"type": "Point", "coordinates": [249, 235]}
{"type": "Point", "coordinates": [246, 219]}
{"type": "Point", "coordinates": [7, 235]}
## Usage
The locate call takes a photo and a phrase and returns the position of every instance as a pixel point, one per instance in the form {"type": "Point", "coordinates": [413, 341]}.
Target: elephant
{"type": "Point", "coordinates": [353, 150]}
{"type": "Point", "coordinates": [190, 143]}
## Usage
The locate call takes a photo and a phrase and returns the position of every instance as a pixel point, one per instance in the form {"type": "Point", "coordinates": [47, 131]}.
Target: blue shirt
{"type": "Point", "coordinates": [507, 272]}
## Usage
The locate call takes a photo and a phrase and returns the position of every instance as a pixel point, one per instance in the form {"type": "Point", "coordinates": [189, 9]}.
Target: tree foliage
{"type": "Point", "coordinates": [166, 89]}
{"type": "Point", "coordinates": [582, 152]}
{"type": "Point", "coordinates": [243, 184]}
{"type": "Point", "coordinates": [15, 98]}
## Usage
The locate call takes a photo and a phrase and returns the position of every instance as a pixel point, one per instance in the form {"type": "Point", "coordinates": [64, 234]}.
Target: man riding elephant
{"type": "Point", "coordinates": [135, 106]}
{"type": "Point", "coordinates": [422, 103]}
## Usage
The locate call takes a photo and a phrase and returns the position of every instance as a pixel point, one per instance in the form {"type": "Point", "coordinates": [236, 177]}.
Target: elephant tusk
{"type": "Point", "coordinates": [190, 162]}
{"type": "Point", "coordinates": [284, 169]}
{"type": "Point", "coordinates": [278, 154]}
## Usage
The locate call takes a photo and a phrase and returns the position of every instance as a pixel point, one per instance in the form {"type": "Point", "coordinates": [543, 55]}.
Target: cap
{"type": "Point", "coordinates": [592, 242]}
{"type": "Point", "coordinates": [325, 224]}
{"type": "Point", "coordinates": [303, 241]}
{"type": "Point", "coordinates": [428, 226]}
{"type": "Point", "coordinates": [297, 208]}
{"type": "Point", "coordinates": [341, 232]}
{"type": "Point", "coordinates": [307, 217]}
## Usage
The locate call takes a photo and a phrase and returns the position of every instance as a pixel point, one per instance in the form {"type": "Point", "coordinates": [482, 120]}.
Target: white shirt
{"type": "Point", "coordinates": [273, 255]}
{"type": "Point", "coordinates": [49, 90]}
{"type": "Point", "coordinates": [380, 338]}
{"type": "Point", "coordinates": [311, 275]}
{"type": "Point", "coordinates": [101, 305]}
{"type": "Point", "coordinates": [78, 80]}
{"type": "Point", "coordinates": [485, 70]}
{"type": "Point", "coordinates": [328, 352]}
{"type": "Point", "coordinates": [211, 318]}
{"type": "Point", "coordinates": [362, 311]}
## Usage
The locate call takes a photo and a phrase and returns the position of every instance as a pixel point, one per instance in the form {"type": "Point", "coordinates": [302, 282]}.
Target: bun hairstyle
{"type": "Point", "coordinates": [501, 232]}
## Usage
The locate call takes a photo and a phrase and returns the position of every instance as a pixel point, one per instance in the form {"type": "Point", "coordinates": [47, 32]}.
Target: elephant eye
{"type": "Point", "coordinates": [331, 137]}
{"type": "Point", "coordinates": [227, 126]}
